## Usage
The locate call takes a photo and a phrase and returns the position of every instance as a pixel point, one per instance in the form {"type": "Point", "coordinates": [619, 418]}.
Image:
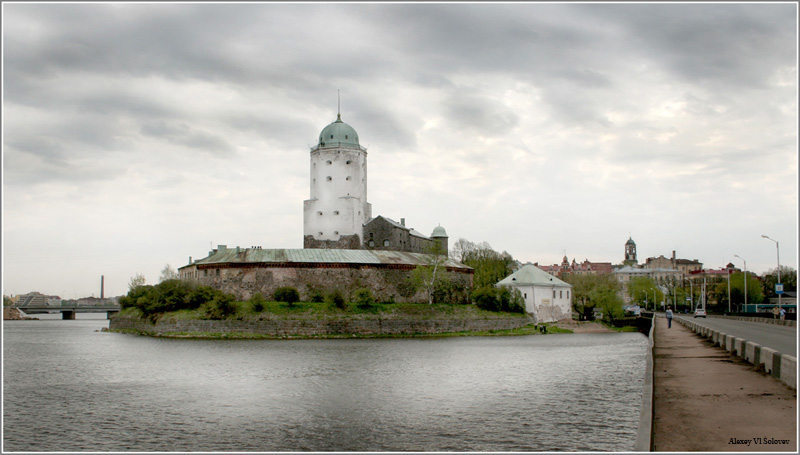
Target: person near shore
{"type": "Point", "coordinates": [783, 314]}
{"type": "Point", "coordinates": [775, 312]}
{"type": "Point", "coordinates": [669, 317]}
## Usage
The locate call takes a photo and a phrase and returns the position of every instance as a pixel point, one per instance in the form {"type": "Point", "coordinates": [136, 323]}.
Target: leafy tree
{"type": "Point", "coordinates": [363, 299]}
{"type": "Point", "coordinates": [586, 289]}
{"type": "Point", "coordinates": [492, 298]}
{"type": "Point", "coordinates": [755, 293]}
{"type": "Point", "coordinates": [136, 281]}
{"type": "Point", "coordinates": [607, 298]}
{"type": "Point", "coordinates": [489, 265]}
{"type": "Point", "coordinates": [770, 279]}
{"type": "Point", "coordinates": [6, 300]}
{"type": "Point", "coordinates": [221, 307]}
{"type": "Point", "coordinates": [428, 275]}
{"type": "Point", "coordinates": [168, 273]}
{"type": "Point", "coordinates": [640, 289]}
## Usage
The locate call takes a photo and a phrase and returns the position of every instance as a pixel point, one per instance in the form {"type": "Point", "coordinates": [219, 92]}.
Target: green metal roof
{"type": "Point", "coordinates": [313, 255]}
{"type": "Point", "coordinates": [338, 134]}
{"type": "Point", "coordinates": [529, 274]}
{"type": "Point", "coordinates": [439, 231]}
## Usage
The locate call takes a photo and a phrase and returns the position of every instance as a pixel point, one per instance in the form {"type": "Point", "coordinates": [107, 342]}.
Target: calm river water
{"type": "Point", "coordinates": [69, 387]}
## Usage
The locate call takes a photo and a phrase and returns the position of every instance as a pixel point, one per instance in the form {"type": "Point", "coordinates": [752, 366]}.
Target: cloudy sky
{"type": "Point", "coordinates": [138, 135]}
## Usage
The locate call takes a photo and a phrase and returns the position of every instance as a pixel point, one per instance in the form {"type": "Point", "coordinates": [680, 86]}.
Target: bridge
{"type": "Point", "coordinates": [69, 311]}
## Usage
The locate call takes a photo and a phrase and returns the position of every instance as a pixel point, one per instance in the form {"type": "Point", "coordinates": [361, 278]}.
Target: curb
{"type": "Point", "coordinates": [761, 320]}
{"type": "Point", "coordinates": [644, 436]}
{"type": "Point", "coordinates": [782, 366]}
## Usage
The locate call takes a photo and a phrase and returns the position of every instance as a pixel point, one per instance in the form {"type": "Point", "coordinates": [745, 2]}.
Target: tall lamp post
{"type": "Point", "coordinates": [777, 248]}
{"type": "Point", "coordinates": [745, 281]}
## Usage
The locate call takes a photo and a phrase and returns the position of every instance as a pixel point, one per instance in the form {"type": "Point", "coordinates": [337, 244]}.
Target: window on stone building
{"type": "Point", "coordinates": [386, 243]}
{"type": "Point", "coordinates": [371, 243]}
{"type": "Point", "coordinates": [217, 272]}
{"type": "Point", "coordinates": [554, 293]}
{"type": "Point", "coordinates": [560, 294]}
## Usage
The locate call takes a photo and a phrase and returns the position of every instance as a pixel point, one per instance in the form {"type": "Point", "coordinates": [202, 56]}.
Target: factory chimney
{"type": "Point", "coordinates": [102, 286]}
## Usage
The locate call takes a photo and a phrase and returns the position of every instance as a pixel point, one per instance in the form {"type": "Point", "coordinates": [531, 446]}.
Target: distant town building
{"type": "Point", "coordinates": [630, 253]}
{"type": "Point", "coordinates": [547, 298]}
{"type": "Point", "coordinates": [37, 299]}
{"type": "Point", "coordinates": [584, 268]}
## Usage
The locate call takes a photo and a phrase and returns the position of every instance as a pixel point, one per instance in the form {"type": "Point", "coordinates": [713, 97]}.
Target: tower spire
{"type": "Point", "coordinates": [338, 105]}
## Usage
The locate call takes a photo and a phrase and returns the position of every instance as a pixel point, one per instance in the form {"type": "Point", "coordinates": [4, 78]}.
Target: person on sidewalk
{"type": "Point", "coordinates": [783, 314]}
{"type": "Point", "coordinates": [669, 317]}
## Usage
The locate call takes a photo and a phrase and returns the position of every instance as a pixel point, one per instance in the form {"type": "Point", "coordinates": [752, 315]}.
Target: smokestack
{"type": "Point", "coordinates": [402, 221]}
{"type": "Point", "coordinates": [102, 285]}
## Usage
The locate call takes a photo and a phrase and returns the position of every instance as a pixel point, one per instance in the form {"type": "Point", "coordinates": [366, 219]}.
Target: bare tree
{"type": "Point", "coordinates": [168, 273]}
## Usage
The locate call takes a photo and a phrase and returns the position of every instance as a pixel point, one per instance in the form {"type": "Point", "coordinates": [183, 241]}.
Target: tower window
{"type": "Point", "coordinates": [329, 162]}
{"type": "Point", "coordinates": [348, 162]}
{"type": "Point", "coordinates": [319, 213]}
{"type": "Point", "coordinates": [320, 234]}
{"type": "Point", "coordinates": [335, 212]}
{"type": "Point", "coordinates": [335, 232]}
{"type": "Point", "coordinates": [331, 136]}
{"type": "Point", "coordinates": [348, 178]}
{"type": "Point", "coordinates": [345, 136]}
{"type": "Point", "coordinates": [328, 178]}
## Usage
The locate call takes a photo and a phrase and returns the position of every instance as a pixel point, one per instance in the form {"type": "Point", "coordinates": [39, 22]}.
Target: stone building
{"type": "Point", "coordinates": [547, 298]}
{"type": "Point", "coordinates": [335, 213]}
{"type": "Point", "coordinates": [344, 248]}
{"type": "Point", "coordinates": [381, 233]}
{"type": "Point", "coordinates": [246, 271]}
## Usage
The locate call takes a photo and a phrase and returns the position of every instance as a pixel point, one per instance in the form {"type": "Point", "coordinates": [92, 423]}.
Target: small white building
{"type": "Point", "coordinates": [546, 297]}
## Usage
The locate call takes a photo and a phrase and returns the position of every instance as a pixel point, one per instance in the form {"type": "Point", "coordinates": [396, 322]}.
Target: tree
{"type": "Point", "coordinates": [489, 265]}
{"type": "Point", "coordinates": [640, 289]}
{"type": "Point", "coordinates": [607, 298]}
{"type": "Point", "coordinates": [168, 273]}
{"type": "Point", "coordinates": [135, 282]}
{"type": "Point", "coordinates": [770, 278]}
{"type": "Point", "coordinates": [755, 293]}
{"type": "Point", "coordinates": [590, 291]}
{"type": "Point", "coordinates": [429, 274]}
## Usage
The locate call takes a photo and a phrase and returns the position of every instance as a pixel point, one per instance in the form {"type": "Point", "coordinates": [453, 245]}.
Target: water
{"type": "Point", "coordinates": [69, 387]}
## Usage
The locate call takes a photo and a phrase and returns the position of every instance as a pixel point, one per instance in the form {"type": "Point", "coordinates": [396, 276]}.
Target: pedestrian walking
{"type": "Point", "coordinates": [669, 317]}
{"type": "Point", "coordinates": [783, 314]}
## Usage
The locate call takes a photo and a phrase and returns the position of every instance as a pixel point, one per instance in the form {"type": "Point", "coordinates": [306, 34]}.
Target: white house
{"type": "Point", "coordinates": [546, 297]}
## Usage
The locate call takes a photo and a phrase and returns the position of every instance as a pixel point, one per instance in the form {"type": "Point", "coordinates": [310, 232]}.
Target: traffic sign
{"type": "Point", "coordinates": [779, 288]}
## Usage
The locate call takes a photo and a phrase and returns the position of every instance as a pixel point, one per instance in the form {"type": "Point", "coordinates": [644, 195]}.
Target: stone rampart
{"type": "Point", "coordinates": [323, 327]}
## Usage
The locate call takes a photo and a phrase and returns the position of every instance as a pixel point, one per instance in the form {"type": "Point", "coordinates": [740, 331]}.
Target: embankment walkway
{"type": "Point", "coordinates": [706, 399]}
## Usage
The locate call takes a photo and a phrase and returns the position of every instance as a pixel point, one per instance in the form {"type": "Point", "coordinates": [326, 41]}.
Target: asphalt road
{"type": "Point", "coordinates": [781, 338]}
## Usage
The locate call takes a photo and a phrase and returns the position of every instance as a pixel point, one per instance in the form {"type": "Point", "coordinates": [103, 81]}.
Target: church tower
{"type": "Point", "coordinates": [630, 252]}
{"type": "Point", "coordinates": [335, 214]}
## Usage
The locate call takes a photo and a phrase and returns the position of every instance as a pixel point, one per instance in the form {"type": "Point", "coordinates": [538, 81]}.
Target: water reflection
{"type": "Point", "coordinates": [70, 388]}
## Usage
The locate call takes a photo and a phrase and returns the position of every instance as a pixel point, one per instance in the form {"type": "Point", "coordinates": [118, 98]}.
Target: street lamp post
{"type": "Point", "coordinates": [745, 281]}
{"type": "Point", "coordinates": [777, 248]}
{"type": "Point", "coordinates": [655, 307]}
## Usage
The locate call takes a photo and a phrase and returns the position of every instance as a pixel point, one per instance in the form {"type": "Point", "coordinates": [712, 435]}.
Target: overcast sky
{"type": "Point", "coordinates": [138, 135]}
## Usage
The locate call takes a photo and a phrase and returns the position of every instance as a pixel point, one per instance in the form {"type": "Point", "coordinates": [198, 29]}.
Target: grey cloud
{"type": "Point", "coordinates": [472, 114]}
{"type": "Point", "coordinates": [180, 133]}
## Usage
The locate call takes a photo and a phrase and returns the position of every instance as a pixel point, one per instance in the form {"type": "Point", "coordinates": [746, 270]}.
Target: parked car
{"type": "Point", "coordinates": [700, 313]}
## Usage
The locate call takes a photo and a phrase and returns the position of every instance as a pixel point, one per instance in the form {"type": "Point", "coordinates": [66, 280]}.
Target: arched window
{"type": "Point", "coordinates": [386, 243]}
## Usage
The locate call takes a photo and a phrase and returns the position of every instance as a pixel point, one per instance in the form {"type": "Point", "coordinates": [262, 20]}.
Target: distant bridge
{"type": "Point", "coordinates": [69, 311]}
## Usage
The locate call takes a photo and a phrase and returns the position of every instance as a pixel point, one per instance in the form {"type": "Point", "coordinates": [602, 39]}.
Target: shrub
{"type": "Point", "coordinates": [336, 299]}
{"type": "Point", "coordinates": [221, 307]}
{"type": "Point", "coordinates": [316, 297]}
{"type": "Point", "coordinates": [486, 298]}
{"type": "Point", "coordinates": [286, 294]}
{"type": "Point", "coordinates": [363, 299]}
{"type": "Point", "coordinates": [257, 302]}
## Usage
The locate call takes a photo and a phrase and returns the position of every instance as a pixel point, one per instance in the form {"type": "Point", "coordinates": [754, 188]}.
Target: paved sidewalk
{"type": "Point", "coordinates": [705, 399]}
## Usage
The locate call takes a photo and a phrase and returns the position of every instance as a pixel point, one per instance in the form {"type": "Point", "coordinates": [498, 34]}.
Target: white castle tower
{"type": "Point", "coordinates": [335, 214]}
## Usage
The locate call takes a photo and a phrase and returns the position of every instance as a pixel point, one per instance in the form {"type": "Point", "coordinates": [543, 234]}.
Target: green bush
{"type": "Point", "coordinates": [221, 307]}
{"type": "Point", "coordinates": [286, 294]}
{"type": "Point", "coordinates": [336, 300]}
{"type": "Point", "coordinates": [257, 302]}
{"type": "Point", "coordinates": [363, 299]}
{"type": "Point", "coordinates": [491, 298]}
{"type": "Point", "coordinates": [316, 297]}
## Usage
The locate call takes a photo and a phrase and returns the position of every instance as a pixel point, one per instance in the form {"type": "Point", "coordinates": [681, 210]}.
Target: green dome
{"type": "Point", "coordinates": [338, 133]}
{"type": "Point", "coordinates": [439, 231]}
{"type": "Point", "coordinates": [630, 242]}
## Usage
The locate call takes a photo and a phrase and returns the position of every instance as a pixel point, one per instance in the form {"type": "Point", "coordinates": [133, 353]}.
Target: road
{"type": "Point", "coordinates": [781, 338]}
